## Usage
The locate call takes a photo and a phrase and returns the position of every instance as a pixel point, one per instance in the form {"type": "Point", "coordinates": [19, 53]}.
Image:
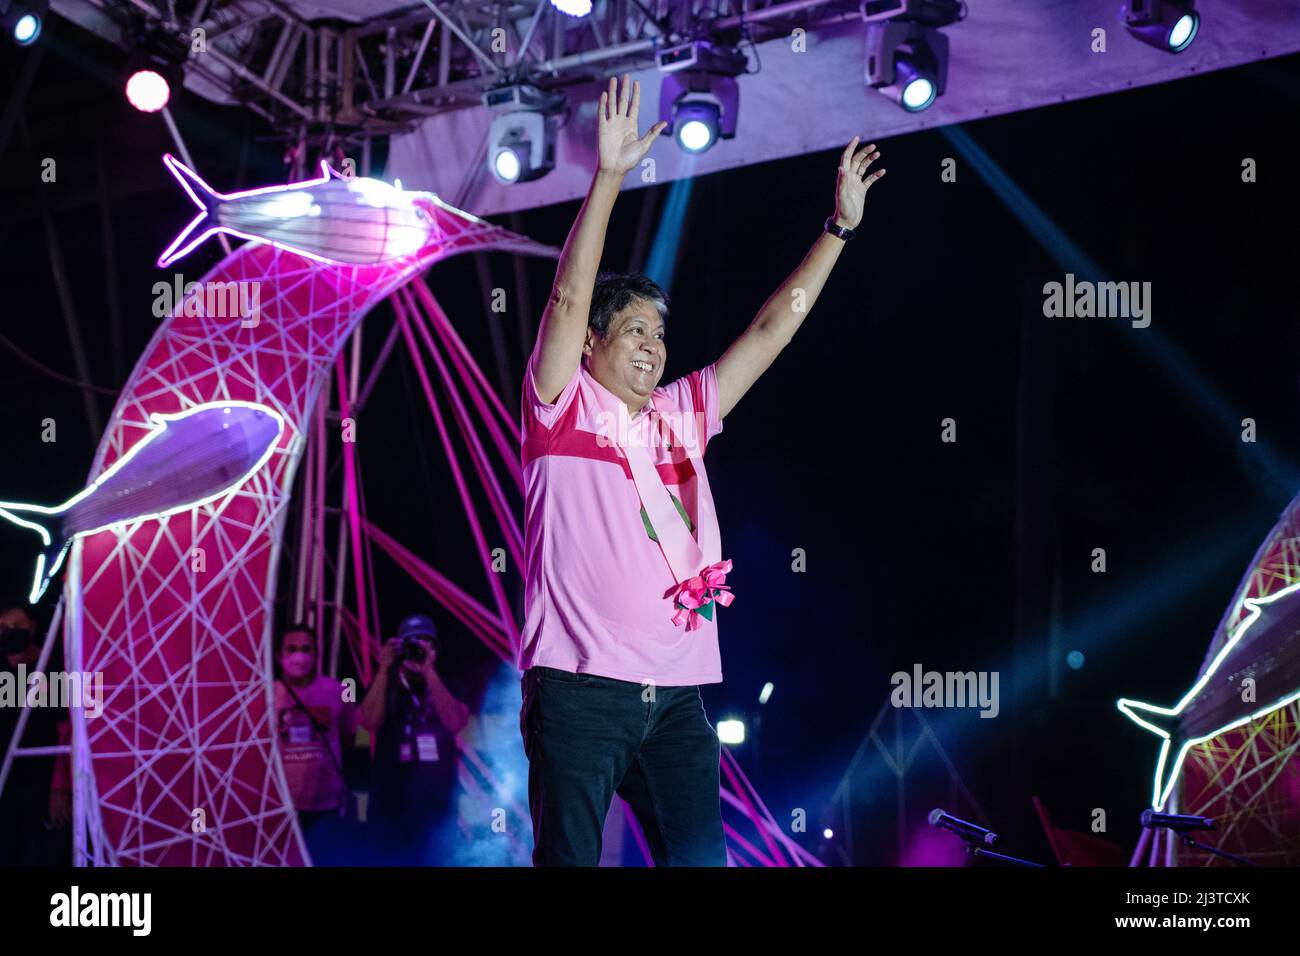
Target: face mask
{"type": "Point", "coordinates": [298, 664]}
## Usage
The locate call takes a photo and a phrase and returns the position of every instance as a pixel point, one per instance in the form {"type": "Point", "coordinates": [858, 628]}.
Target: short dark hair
{"type": "Point", "coordinates": [298, 629]}
{"type": "Point", "coordinates": [615, 291]}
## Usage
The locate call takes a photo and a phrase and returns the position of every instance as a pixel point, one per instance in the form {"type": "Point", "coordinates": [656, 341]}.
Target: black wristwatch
{"type": "Point", "coordinates": [837, 230]}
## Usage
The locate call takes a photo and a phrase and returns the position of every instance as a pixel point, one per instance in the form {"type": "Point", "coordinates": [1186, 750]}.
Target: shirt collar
{"type": "Point", "coordinates": [610, 402]}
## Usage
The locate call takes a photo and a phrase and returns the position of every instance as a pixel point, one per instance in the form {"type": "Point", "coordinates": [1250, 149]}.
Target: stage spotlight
{"type": "Point", "coordinates": [27, 29]}
{"type": "Point", "coordinates": [906, 53]}
{"type": "Point", "coordinates": [731, 731]}
{"type": "Point", "coordinates": [574, 8]}
{"type": "Point", "coordinates": [507, 164]}
{"type": "Point", "coordinates": [917, 84]}
{"type": "Point", "coordinates": [154, 70]}
{"type": "Point", "coordinates": [765, 694]}
{"type": "Point", "coordinates": [521, 140]}
{"type": "Point", "coordinates": [22, 19]}
{"type": "Point", "coordinates": [1169, 25]}
{"type": "Point", "coordinates": [696, 125]}
{"type": "Point", "coordinates": [828, 833]}
{"type": "Point", "coordinates": [148, 91]}
{"type": "Point", "coordinates": [699, 97]}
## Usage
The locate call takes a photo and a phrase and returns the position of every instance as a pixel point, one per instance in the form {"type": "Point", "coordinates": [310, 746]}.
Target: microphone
{"type": "Point", "coordinates": [967, 831]}
{"type": "Point", "coordinates": [1178, 822]}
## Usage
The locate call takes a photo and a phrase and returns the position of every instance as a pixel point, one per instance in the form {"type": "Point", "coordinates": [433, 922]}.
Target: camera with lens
{"type": "Point", "coordinates": [412, 649]}
{"type": "Point", "coordinates": [415, 635]}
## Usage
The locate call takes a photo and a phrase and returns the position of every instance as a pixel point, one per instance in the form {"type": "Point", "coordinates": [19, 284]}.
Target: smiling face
{"type": "Point", "coordinates": [629, 359]}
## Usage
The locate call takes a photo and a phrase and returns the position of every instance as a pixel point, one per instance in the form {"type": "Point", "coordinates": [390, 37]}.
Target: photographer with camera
{"type": "Point", "coordinates": [417, 720]}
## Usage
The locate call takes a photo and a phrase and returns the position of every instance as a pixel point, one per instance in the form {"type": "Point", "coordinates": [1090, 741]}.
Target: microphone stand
{"type": "Point", "coordinates": [1195, 845]}
{"type": "Point", "coordinates": [974, 849]}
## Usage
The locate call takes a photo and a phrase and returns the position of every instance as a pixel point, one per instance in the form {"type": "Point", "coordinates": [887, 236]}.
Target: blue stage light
{"type": "Point", "coordinates": [1169, 25]}
{"type": "Point", "coordinates": [696, 124]}
{"type": "Point", "coordinates": [917, 88]}
{"type": "Point", "coordinates": [1184, 32]}
{"type": "Point", "coordinates": [27, 29]}
{"type": "Point", "coordinates": [907, 61]}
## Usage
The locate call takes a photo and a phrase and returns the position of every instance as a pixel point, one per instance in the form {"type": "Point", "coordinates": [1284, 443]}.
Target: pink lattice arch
{"type": "Point", "coordinates": [182, 768]}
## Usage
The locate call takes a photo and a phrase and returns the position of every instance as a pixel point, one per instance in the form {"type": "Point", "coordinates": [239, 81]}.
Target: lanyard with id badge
{"type": "Point", "coordinates": [300, 734]}
{"type": "Point", "coordinates": [424, 747]}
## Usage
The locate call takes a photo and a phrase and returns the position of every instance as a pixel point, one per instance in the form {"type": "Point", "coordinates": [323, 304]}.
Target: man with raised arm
{"type": "Point", "coordinates": [625, 572]}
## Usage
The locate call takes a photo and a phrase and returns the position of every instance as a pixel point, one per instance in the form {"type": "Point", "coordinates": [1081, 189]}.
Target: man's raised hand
{"type": "Point", "coordinates": [621, 147]}
{"type": "Point", "coordinates": [853, 183]}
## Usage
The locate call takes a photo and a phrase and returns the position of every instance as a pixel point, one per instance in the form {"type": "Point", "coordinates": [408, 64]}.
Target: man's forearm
{"type": "Point", "coordinates": [785, 310]}
{"type": "Point", "coordinates": [775, 324]}
{"type": "Point", "coordinates": [564, 320]}
{"type": "Point", "coordinates": [575, 277]}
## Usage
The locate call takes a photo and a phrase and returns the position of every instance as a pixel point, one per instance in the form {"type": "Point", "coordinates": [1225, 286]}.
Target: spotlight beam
{"type": "Point", "coordinates": [1277, 477]}
{"type": "Point", "coordinates": [1147, 600]}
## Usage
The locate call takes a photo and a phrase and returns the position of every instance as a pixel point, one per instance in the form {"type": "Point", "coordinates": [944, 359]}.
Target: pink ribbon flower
{"type": "Point", "coordinates": [696, 596]}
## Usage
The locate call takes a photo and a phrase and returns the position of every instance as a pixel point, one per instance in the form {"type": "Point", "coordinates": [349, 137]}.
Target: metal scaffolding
{"type": "Point", "coordinates": [328, 77]}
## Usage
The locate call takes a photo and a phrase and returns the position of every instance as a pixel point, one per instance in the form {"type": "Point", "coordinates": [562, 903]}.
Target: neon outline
{"type": "Point", "coordinates": [184, 175]}
{"type": "Point", "coordinates": [1127, 706]}
{"type": "Point", "coordinates": [160, 426]}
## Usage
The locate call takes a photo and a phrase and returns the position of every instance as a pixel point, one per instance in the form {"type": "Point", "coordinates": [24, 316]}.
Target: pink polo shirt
{"type": "Point", "coordinates": [596, 584]}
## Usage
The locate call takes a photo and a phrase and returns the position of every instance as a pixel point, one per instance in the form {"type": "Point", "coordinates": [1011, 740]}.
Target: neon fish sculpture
{"type": "Point", "coordinates": [1265, 649]}
{"type": "Point", "coordinates": [333, 219]}
{"type": "Point", "coordinates": [188, 459]}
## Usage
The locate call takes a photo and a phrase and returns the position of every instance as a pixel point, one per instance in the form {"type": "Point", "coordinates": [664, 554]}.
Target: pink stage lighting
{"type": "Point", "coordinates": [148, 91]}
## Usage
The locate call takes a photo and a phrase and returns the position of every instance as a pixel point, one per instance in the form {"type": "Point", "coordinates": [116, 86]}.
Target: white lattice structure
{"type": "Point", "coordinates": [182, 767]}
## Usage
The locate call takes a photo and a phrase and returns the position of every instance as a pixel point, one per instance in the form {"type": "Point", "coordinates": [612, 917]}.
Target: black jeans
{"type": "Point", "coordinates": [588, 737]}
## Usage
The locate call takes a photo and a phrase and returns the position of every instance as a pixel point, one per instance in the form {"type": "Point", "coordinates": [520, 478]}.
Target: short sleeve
{"type": "Point", "coordinates": [696, 395]}
{"type": "Point", "coordinates": [711, 405]}
{"type": "Point", "coordinates": [539, 410]}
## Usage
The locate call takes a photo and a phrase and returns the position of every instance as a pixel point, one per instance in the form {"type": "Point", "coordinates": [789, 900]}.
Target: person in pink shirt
{"type": "Point", "coordinates": [314, 721]}
{"type": "Point", "coordinates": [625, 572]}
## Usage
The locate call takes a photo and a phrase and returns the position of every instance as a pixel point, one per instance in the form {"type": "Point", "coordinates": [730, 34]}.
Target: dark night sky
{"type": "Point", "coordinates": [918, 551]}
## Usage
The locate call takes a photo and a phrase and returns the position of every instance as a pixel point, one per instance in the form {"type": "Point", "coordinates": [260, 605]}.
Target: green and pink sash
{"type": "Point", "coordinates": [696, 566]}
